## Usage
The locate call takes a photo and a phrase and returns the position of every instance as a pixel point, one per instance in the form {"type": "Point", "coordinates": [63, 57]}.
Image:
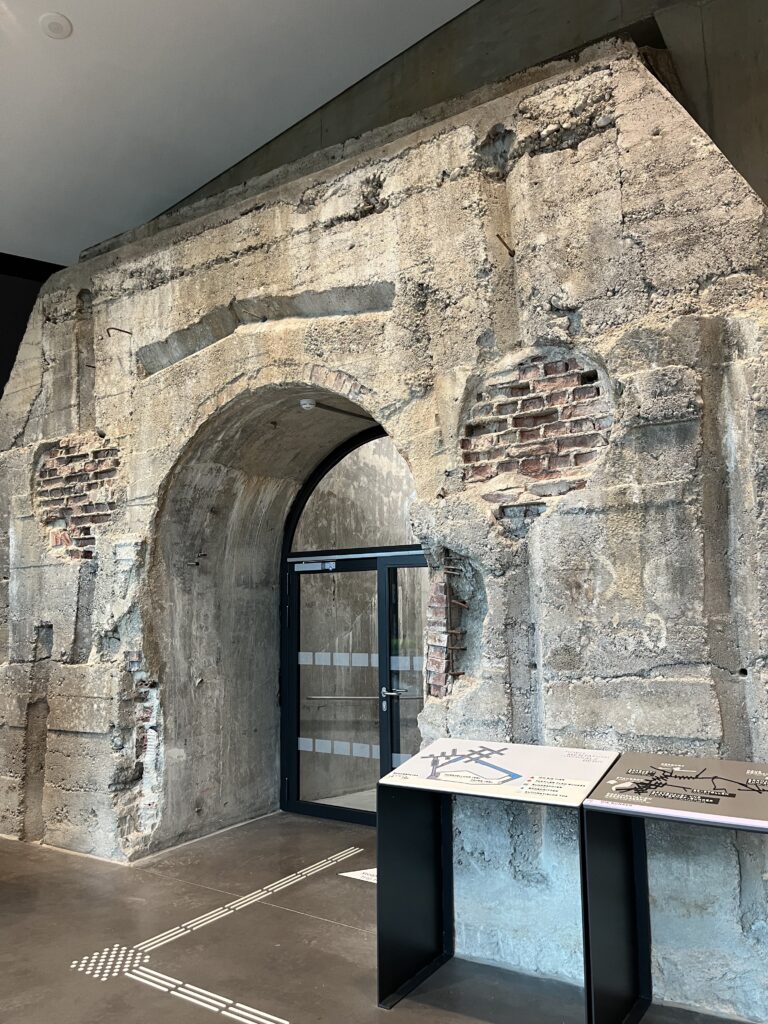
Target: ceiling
{"type": "Point", "coordinates": [148, 99]}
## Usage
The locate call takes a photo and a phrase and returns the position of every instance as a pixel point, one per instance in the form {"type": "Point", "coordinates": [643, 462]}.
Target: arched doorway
{"type": "Point", "coordinates": [212, 607]}
{"type": "Point", "coordinates": [354, 599]}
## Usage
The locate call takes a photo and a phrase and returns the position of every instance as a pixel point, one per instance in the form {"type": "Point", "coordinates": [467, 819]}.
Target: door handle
{"type": "Point", "coordinates": [392, 693]}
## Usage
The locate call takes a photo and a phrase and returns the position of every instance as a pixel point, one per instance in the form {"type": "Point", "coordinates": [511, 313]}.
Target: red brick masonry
{"type": "Point", "coordinates": [545, 422]}
{"type": "Point", "coordinates": [75, 492]}
{"type": "Point", "coordinates": [444, 636]}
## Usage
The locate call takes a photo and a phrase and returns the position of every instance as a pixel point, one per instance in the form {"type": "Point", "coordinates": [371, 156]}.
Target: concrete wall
{"type": "Point", "coordinates": [490, 41]}
{"type": "Point", "coordinates": [716, 49]}
{"type": "Point", "coordinates": [570, 250]}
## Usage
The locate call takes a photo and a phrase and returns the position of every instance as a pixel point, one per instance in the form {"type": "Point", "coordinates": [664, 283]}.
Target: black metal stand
{"type": "Point", "coordinates": [617, 929]}
{"type": "Point", "coordinates": [415, 892]}
{"type": "Point", "coordinates": [415, 898]}
{"type": "Point", "coordinates": [415, 888]}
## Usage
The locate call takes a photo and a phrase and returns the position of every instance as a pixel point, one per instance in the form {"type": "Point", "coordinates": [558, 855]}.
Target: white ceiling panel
{"type": "Point", "coordinates": [149, 99]}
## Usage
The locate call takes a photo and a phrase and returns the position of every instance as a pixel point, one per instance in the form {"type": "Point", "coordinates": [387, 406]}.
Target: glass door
{"type": "Point", "coordinates": [408, 593]}
{"type": "Point", "coordinates": [338, 674]}
{"type": "Point", "coordinates": [353, 677]}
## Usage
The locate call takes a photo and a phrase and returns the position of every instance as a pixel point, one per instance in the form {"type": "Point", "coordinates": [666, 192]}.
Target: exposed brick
{"type": "Point", "coordinates": [484, 455]}
{"type": "Point", "coordinates": [483, 442]}
{"type": "Point", "coordinates": [556, 429]}
{"type": "Point", "coordinates": [577, 410]}
{"type": "Point", "coordinates": [537, 448]}
{"type": "Point", "coordinates": [582, 458]}
{"type": "Point", "coordinates": [93, 517]}
{"type": "Point", "coordinates": [484, 472]}
{"type": "Point", "coordinates": [483, 427]}
{"type": "Point", "coordinates": [507, 408]}
{"type": "Point", "coordinates": [529, 404]}
{"type": "Point", "coordinates": [583, 441]}
{"type": "Point", "coordinates": [534, 466]}
{"type": "Point", "coordinates": [566, 380]}
{"type": "Point", "coordinates": [531, 434]}
{"type": "Point", "coordinates": [560, 366]}
{"type": "Point", "coordinates": [557, 418]}
{"type": "Point", "coordinates": [535, 419]}
{"type": "Point", "coordinates": [68, 479]}
{"type": "Point", "coordinates": [513, 389]}
{"type": "Point", "coordinates": [580, 426]}
{"type": "Point", "coordinates": [531, 372]}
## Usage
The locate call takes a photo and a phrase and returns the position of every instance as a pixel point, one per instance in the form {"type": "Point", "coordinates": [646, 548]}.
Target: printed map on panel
{"type": "Point", "coordinates": [688, 788]}
{"type": "Point", "coordinates": [506, 771]}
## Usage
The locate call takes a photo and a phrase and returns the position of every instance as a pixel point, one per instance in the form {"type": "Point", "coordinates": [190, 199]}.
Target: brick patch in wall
{"type": "Point", "coordinates": [546, 423]}
{"type": "Point", "coordinates": [443, 636]}
{"type": "Point", "coordinates": [74, 492]}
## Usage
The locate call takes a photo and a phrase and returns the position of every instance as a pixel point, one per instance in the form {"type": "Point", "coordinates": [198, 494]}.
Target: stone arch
{"type": "Point", "coordinates": [211, 607]}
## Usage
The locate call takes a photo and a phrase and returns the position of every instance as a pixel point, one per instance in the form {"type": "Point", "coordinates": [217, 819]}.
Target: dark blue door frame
{"type": "Point", "coordinates": [384, 561]}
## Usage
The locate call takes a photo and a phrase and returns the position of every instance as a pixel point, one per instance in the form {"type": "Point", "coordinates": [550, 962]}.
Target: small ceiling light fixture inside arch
{"type": "Point", "coordinates": [56, 26]}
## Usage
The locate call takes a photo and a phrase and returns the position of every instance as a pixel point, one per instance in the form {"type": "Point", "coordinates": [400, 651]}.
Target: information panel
{"type": "Point", "coordinates": [506, 771]}
{"type": "Point", "coordinates": [688, 789]}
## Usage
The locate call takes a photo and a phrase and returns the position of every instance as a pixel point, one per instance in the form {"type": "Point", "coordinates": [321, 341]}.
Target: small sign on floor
{"type": "Point", "coordinates": [368, 875]}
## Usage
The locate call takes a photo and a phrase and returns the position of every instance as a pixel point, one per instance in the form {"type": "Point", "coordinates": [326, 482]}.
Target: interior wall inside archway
{"type": "Point", "coordinates": [212, 608]}
{"type": "Point", "coordinates": [363, 501]}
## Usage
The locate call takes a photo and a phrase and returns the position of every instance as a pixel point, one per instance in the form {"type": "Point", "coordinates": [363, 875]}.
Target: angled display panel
{"type": "Point", "coordinates": [559, 776]}
{"type": "Point", "coordinates": [733, 794]}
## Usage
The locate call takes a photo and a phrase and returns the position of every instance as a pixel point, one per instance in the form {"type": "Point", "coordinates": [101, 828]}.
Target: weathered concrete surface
{"type": "Point", "coordinates": [580, 216]}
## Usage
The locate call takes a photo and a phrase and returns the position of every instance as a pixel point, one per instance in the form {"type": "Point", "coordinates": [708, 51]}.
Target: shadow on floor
{"type": "Point", "coordinates": [495, 996]}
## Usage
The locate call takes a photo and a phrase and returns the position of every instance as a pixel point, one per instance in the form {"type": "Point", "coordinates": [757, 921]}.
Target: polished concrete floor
{"type": "Point", "coordinates": [257, 924]}
{"type": "Point", "coordinates": [362, 800]}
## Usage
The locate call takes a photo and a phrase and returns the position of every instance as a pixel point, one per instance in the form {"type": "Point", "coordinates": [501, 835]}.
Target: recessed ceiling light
{"type": "Point", "coordinates": [57, 26]}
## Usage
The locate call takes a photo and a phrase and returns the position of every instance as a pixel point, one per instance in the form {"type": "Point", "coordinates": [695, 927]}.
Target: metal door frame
{"type": "Point", "coordinates": [383, 560]}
